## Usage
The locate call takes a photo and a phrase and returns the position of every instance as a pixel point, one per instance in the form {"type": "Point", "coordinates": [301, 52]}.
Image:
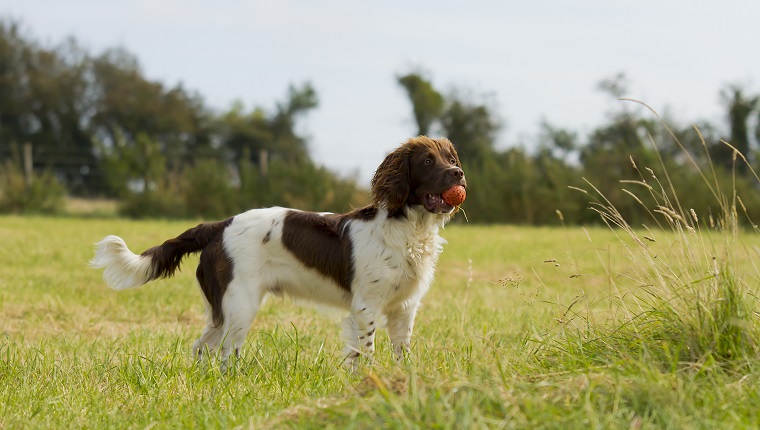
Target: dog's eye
{"type": "Point", "coordinates": [427, 162]}
{"type": "Point", "coordinates": [453, 161]}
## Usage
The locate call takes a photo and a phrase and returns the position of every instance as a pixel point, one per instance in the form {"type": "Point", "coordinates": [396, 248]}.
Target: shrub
{"type": "Point", "coordinates": [165, 201]}
{"type": "Point", "coordinates": [300, 185]}
{"type": "Point", "coordinates": [44, 195]}
{"type": "Point", "coordinates": [208, 190]}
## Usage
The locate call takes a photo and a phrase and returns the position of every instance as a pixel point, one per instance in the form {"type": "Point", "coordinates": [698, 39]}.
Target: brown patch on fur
{"type": "Point", "coordinates": [320, 243]}
{"type": "Point", "coordinates": [214, 272]}
{"type": "Point", "coordinates": [366, 213]}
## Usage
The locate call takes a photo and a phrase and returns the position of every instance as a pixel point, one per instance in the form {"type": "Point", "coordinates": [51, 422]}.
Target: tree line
{"type": "Point", "coordinates": [566, 173]}
{"type": "Point", "coordinates": [93, 125]}
{"type": "Point", "coordinates": [97, 127]}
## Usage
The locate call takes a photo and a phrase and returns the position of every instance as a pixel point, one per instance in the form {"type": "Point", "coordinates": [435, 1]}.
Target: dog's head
{"type": "Point", "coordinates": [417, 173]}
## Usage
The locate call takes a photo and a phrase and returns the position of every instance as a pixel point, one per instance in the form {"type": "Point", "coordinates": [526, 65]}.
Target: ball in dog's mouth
{"type": "Point", "coordinates": [446, 201]}
{"type": "Point", "coordinates": [455, 195]}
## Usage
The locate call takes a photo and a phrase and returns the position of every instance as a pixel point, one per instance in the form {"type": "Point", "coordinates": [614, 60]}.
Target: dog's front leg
{"type": "Point", "coordinates": [359, 332]}
{"type": "Point", "coordinates": [400, 327]}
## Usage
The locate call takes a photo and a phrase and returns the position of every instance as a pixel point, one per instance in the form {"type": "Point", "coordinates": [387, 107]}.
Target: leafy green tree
{"type": "Point", "coordinates": [427, 103]}
{"type": "Point", "coordinates": [127, 105]}
{"type": "Point", "coordinates": [740, 107]}
{"type": "Point", "coordinates": [558, 148]}
{"type": "Point", "coordinates": [247, 134]}
{"type": "Point", "coordinates": [472, 127]}
{"type": "Point", "coordinates": [208, 190]}
{"type": "Point", "coordinates": [286, 142]}
{"type": "Point", "coordinates": [562, 143]}
{"type": "Point", "coordinates": [43, 102]}
{"type": "Point", "coordinates": [14, 97]}
{"type": "Point", "coordinates": [244, 134]}
{"type": "Point", "coordinates": [134, 167]}
{"type": "Point", "coordinates": [613, 149]}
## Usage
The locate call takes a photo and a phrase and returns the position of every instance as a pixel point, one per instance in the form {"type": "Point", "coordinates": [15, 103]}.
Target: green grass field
{"type": "Point", "coordinates": [523, 328]}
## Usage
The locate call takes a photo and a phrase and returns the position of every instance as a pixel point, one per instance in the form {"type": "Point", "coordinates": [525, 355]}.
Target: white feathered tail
{"type": "Point", "coordinates": [123, 268]}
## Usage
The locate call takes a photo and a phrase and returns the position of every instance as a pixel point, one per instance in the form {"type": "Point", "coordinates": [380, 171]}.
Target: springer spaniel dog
{"type": "Point", "coordinates": [377, 262]}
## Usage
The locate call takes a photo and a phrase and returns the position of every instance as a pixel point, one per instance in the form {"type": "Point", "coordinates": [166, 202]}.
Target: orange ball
{"type": "Point", "coordinates": [455, 195]}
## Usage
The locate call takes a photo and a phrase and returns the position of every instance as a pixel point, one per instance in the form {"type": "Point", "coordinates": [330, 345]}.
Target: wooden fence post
{"type": "Point", "coordinates": [28, 164]}
{"type": "Point", "coordinates": [264, 161]}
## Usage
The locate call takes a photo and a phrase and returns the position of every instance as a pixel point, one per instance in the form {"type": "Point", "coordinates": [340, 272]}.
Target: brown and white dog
{"type": "Point", "coordinates": [377, 261]}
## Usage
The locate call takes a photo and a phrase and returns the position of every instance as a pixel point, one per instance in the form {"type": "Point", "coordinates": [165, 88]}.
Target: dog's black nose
{"type": "Point", "coordinates": [456, 172]}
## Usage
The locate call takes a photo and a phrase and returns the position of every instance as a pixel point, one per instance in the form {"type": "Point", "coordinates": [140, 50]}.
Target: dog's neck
{"type": "Point", "coordinates": [415, 234]}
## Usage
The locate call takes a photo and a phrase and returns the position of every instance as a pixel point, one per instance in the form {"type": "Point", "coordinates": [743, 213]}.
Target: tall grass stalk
{"type": "Point", "coordinates": [681, 300]}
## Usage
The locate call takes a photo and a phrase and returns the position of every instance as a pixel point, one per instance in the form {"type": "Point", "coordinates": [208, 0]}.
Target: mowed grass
{"type": "Point", "coordinates": [523, 328]}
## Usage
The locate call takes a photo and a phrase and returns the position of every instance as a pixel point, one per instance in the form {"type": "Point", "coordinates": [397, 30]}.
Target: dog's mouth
{"type": "Point", "coordinates": [434, 203]}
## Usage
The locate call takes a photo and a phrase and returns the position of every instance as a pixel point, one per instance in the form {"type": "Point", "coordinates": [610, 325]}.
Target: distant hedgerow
{"type": "Point", "coordinates": [42, 193]}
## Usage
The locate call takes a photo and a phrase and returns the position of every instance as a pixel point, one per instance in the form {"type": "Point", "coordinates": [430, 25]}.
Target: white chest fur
{"type": "Point", "coordinates": [395, 259]}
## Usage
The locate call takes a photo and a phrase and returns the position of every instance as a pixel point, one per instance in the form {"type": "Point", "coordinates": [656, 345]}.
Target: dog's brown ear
{"type": "Point", "coordinates": [390, 185]}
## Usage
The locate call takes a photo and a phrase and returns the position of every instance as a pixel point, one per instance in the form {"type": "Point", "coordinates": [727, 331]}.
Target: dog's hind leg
{"type": "Point", "coordinates": [241, 303]}
{"type": "Point", "coordinates": [211, 337]}
{"type": "Point", "coordinates": [208, 281]}
{"type": "Point", "coordinates": [209, 341]}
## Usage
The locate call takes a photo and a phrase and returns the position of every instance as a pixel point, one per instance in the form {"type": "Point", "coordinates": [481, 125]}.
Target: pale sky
{"type": "Point", "coordinates": [535, 59]}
